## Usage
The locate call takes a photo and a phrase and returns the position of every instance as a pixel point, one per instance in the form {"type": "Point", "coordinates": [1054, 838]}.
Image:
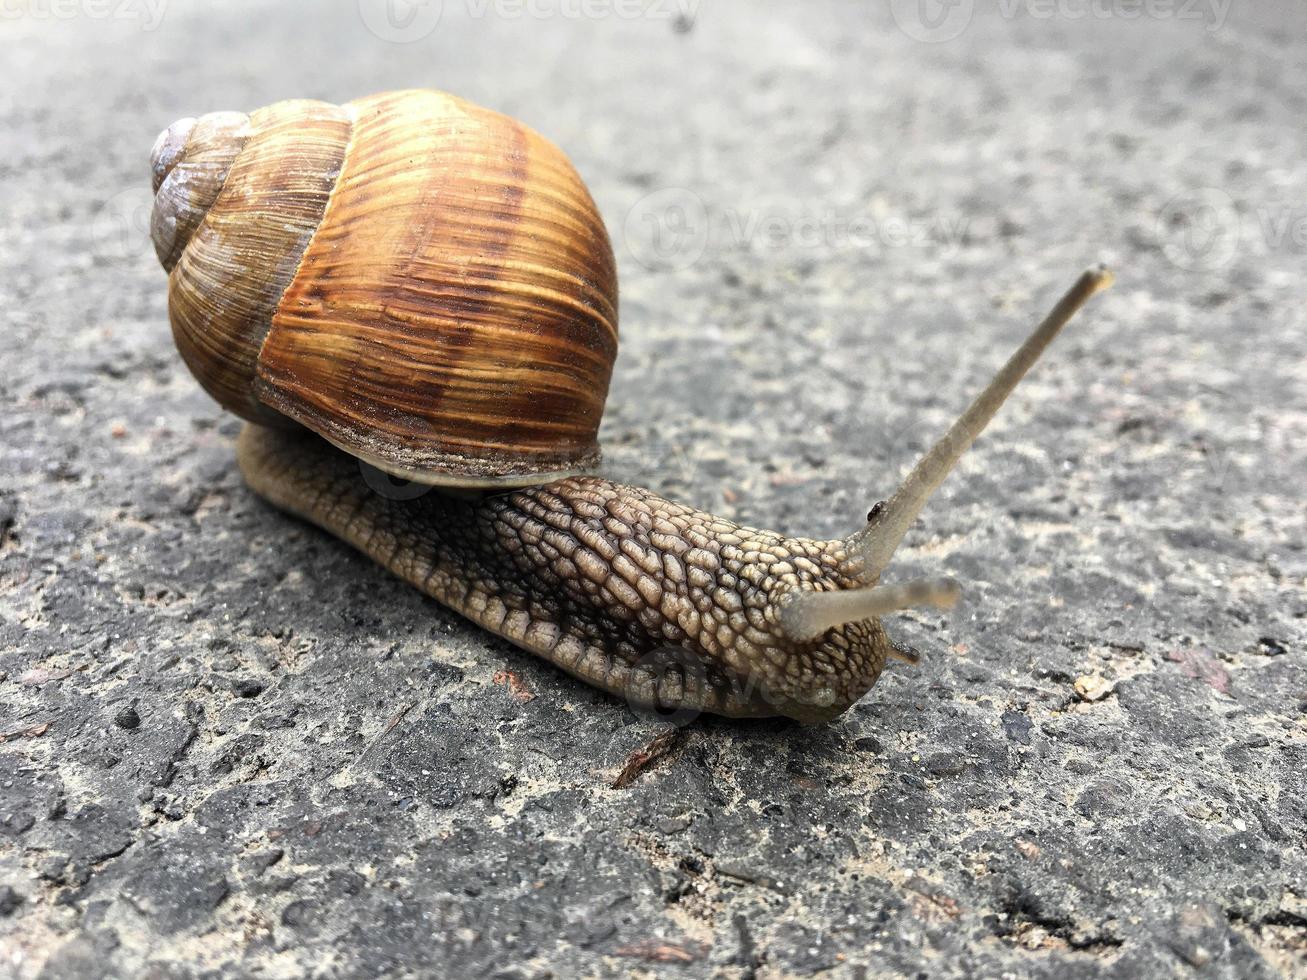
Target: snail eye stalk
{"type": "Point", "coordinates": [876, 543]}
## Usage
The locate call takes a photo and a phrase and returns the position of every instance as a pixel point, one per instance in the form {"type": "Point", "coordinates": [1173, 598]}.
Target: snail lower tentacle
{"type": "Point", "coordinates": [647, 599]}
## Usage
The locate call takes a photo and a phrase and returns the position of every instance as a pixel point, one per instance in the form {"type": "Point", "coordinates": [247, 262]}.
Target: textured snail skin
{"type": "Point", "coordinates": [650, 600]}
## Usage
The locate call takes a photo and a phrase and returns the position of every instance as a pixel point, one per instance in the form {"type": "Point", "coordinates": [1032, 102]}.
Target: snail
{"type": "Point", "coordinates": [414, 283]}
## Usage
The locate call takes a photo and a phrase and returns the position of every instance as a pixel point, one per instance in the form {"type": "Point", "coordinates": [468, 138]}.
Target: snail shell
{"type": "Point", "coordinates": [424, 282]}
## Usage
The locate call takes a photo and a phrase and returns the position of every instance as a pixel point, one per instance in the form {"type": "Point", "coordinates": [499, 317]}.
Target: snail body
{"type": "Point", "coordinates": [644, 598]}
{"type": "Point", "coordinates": [425, 286]}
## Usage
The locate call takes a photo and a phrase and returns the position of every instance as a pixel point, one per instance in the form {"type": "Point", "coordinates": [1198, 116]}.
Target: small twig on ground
{"type": "Point", "coordinates": [662, 952]}
{"type": "Point", "coordinates": [516, 686]}
{"type": "Point", "coordinates": [640, 760]}
{"type": "Point", "coordinates": [31, 731]}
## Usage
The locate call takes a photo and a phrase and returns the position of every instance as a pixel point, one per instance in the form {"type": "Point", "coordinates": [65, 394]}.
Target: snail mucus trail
{"type": "Point", "coordinates": [659, 603]}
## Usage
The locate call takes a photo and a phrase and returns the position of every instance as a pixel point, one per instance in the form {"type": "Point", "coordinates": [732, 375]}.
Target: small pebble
{"type": "Point", "coordinates": [255, 864]}
{"type": "Point", "coordinates": [9, 901]}
{"type": "Point", "coordinates": [127, 718]}
{"type": "Point", "coordinates": [947, 764]}
{"type": "Point", "coordinates": [1091, 687]}
{"type": "Point", "coordinates": [300, 913]}
{"type": "Point", "coordinates": [1195, 955]}
{"type": "Point", "coordinates": [247, 687]}
{"type": "Point", "coordinates": [1017, 727]}
{"type": "Point", "coordinates": [674, 825]}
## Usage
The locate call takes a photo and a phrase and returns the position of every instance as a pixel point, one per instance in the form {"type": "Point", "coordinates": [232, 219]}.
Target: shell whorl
{"type": "Point", "coordinates": [169, 148]}
{"type": "Point", "coordinates": [189, 164]}
{"type": "Point", "coordinates": [226, 284]}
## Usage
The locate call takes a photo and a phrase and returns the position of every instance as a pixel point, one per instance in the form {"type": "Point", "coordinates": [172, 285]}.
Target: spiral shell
{"type": "Point", "coordinates": [424, 282]}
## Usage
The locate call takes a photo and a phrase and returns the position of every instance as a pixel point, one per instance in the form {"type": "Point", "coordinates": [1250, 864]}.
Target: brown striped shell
{"type": "Point", "coordinates": [424, 282]}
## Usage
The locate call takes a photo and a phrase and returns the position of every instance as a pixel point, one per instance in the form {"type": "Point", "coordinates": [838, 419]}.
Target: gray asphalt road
{"type": "Point", "coordinates": [232, 746]}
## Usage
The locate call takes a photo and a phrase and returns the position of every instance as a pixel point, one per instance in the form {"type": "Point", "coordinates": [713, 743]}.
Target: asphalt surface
{"type": "Point", "coordinates": [233, 746]}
